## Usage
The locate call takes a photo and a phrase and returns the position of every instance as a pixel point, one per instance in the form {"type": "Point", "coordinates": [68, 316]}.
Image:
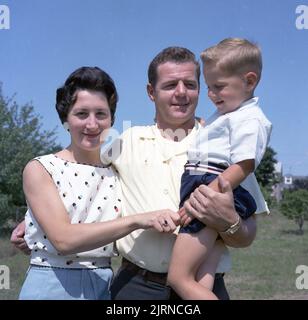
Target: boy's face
{"type": "Point", "coordinates": [227, 92]}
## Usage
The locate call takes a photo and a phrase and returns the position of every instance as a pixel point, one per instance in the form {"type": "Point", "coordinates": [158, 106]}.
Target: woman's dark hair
{"type": "Point", "coordinates": [86, 78]}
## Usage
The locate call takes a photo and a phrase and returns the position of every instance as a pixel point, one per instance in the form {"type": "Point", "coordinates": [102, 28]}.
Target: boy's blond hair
{"type": "Point", "coordinates": [234, 56]}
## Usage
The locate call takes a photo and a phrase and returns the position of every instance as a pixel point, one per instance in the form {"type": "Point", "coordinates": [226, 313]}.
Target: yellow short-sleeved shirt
{"type": "Point", "coordinates": [150, 169]}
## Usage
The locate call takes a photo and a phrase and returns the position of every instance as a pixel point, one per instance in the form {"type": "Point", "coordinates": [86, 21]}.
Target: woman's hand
{"type": "Point", "coordinates": [162, 220]}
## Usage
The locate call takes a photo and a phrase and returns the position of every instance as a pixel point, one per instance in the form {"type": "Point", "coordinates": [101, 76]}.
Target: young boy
{"type": "Point", "coordinates": [232, 144]}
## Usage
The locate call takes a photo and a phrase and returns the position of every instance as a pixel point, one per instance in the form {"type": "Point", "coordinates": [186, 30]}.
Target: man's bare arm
{"type": "Point", "coordinates": [17, 238]}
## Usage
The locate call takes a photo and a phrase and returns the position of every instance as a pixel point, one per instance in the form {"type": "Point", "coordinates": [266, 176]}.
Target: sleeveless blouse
{"type": "Point", "coordinates": [89, 194]}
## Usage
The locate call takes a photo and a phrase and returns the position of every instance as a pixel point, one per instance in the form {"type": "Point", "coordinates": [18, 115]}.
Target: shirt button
{"type": "Point", "coordinates": [166, 191]}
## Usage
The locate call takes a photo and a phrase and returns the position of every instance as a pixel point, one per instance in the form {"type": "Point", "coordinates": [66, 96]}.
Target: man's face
{"type": "Point", "coordinates": [175, 94]}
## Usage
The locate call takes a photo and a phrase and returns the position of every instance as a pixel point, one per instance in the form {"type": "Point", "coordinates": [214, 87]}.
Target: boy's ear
{"type": "Point", "coordinates": [251, 80]}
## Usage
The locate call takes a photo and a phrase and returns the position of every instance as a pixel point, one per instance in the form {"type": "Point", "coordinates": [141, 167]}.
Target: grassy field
{"type": "Point", "coordinates": [265, 270]}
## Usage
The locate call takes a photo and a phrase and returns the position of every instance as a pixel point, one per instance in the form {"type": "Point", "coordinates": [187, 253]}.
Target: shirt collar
{"type": "Point", "coordinates": [158, 134]}
{"type": "Point", "coordinates": [251, 102]}
{"type": "Point", "coordinates": [244, 105]}
{"type": "Point", "coordinates": [169, 148]}
{"type": "Point", "coordinates": [152, 132]}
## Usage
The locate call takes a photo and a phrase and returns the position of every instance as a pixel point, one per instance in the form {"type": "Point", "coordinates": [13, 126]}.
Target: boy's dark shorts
{"type": "Point", "coordinates": [244, 203]}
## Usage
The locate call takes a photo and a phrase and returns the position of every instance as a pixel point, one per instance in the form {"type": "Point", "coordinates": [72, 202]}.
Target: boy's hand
{"type": "Point", "coordinates": [185, 217]}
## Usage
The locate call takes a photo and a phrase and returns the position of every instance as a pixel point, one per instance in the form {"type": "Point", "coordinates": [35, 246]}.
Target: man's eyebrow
{"type": "Point", "coordinates": [177, 80]}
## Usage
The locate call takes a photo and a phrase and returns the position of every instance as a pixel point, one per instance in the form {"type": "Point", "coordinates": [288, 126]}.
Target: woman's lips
{"type": "Point", "coordinates": [92, 135]}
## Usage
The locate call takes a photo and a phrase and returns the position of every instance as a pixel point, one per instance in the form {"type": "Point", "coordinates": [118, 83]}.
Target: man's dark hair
{"type": "Point", "coordinates": [171, 54]}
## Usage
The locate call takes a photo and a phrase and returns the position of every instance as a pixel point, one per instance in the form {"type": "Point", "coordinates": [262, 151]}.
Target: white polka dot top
{"type": "Point", "coordinates": [90, 194]}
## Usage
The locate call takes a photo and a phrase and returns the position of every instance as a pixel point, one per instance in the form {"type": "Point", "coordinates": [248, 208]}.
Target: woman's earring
{"type": "Point", "coordinates": [66, 127]}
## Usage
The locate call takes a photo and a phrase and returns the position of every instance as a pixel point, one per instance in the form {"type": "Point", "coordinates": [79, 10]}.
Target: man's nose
{"type": "Point", "coordinates": [180, 88]}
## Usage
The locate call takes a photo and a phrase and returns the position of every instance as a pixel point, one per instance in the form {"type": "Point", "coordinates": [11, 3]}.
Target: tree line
{"type": "Point", "coordinates": [294, 203]}
{"type": "Point", "coordinates": [21, 139]}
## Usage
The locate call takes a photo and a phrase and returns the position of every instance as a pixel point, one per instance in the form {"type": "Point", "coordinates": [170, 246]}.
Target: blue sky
{"type": "Point", "coordinates": [47, 40]}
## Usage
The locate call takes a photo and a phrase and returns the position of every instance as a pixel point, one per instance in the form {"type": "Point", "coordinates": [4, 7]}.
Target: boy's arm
{"type": "Point", "coordinates": [235, 174]}
{"type": "Point", "coordinates": [246, 232]}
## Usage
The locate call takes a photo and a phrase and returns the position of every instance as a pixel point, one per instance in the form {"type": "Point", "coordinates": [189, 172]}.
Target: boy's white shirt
{"type": "Point", "coordinates": [233, 137]}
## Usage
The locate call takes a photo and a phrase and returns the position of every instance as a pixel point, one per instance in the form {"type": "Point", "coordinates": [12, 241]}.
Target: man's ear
{"type": "Point", "coordinates": [150, 91]}
{"type": "Point", "coordinates": [251, 80]}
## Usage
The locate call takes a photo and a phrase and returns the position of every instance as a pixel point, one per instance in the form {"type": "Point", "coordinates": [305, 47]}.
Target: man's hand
{"type": "Point", "coordinates": [214, 209]}
{"type": "Point", "coordinates": [17, 238]}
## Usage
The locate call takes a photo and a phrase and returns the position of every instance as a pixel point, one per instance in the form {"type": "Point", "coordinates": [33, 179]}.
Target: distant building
{"type": "Point", "coordinates": [286, 181]}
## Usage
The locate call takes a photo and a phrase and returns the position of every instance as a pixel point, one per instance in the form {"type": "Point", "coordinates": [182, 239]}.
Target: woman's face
{"type": "Point", "coordinates": [89, 120]}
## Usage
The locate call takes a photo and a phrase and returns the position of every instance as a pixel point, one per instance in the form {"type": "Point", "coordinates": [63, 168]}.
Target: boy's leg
{"type": "Point", "coordinates": [189, 251]}
{"type": "Point", "coordinates": [128, 286]}
{"type": "Point", "coordinates": [206, 272]}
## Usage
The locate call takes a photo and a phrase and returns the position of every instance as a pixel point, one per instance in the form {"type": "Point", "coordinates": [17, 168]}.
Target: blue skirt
{"type": "Point", "coordinates": [48, 283]}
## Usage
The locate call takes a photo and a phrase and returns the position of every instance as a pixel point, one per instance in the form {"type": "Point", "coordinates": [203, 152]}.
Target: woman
{"type": "Point", "coordinates": [73, 199]}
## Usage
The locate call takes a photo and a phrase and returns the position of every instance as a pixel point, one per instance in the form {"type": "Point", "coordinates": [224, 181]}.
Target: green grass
{"type": "Point", "coordinates": [265, 270]}
{"type": "Point", "coordinates": [17, 263]}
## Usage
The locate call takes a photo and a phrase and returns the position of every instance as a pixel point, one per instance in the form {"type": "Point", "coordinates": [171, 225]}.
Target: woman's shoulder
{"type": "Point", "coordinates": [35, 162]}
{"type": "Point", "coordinates": [35, 172]}
{"type": "Point", "coordinates": [43, 158]}
{"type": "Point", "coordinates": [40, 165]}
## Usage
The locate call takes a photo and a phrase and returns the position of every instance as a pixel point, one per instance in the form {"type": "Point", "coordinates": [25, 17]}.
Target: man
{"type": "Point", "coordinates": [150, 166]}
